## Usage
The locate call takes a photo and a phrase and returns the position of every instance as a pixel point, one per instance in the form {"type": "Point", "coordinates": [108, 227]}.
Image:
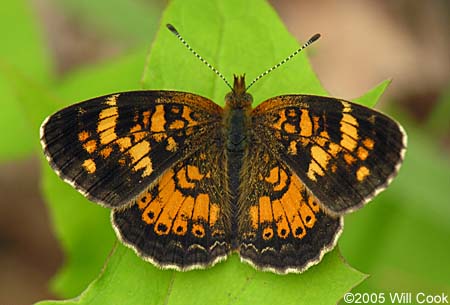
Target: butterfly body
{"type": "Point", "coordinates": [189, 182]}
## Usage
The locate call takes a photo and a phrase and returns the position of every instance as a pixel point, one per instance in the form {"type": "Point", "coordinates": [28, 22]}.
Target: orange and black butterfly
{"type": "Point", "coordinates": [190, 182]}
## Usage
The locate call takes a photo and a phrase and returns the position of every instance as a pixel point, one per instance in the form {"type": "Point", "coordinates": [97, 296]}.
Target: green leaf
{"type": "Point", "coordinates": [237, 37]}
{"type": "Point", "coordinates": [133, 21]}
{"type": "Point", "coordinates": [120, 74]}
{"type": "Point", "coordinates": [129, 280]}
{"type": "Point", "coordinates": [82, 227]}
{"type": "Point", "coordinates": [438, 122]}
{"type": "Point", "coordinates": [83, 230]}
{"type": "Point", "coordinates": [371, 97]}
{"type": "Point", "coordinates": [22, 55]}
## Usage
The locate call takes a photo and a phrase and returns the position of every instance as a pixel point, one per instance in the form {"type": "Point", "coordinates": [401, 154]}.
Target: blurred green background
{"type": "Point", "coordinates": [53, 50]}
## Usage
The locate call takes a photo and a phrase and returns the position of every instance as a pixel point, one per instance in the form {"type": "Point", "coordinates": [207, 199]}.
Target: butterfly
{"type": "Point", "coordinates": [189, 182]}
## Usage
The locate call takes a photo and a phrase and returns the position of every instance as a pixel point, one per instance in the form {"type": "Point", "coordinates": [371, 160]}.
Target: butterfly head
{"type": "Point", "coordinates": [238, 97]}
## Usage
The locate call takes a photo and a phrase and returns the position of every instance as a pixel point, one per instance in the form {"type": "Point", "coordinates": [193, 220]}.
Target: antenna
{"type": "Point", "coordinates": [175, 32]}
{"type": "Point", "coordinates": [310, 41]}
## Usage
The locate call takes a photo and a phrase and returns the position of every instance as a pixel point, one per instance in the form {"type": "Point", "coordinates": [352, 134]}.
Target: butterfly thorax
{"type": "Point", "coordinates": [236, 119]}
{"type": "Point", "coordinates": [238, 98]}
{"type": "Point", "coordinates": [237, 109]}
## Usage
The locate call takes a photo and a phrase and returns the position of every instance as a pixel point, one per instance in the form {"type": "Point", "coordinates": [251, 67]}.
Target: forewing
{"type": "Point", "coordinates": [112, 148]}
{"type": "Point", "coordinates": [343, 152]}
{"type": "Point", "coordinates": [182, 222]}
{"type": "Point", "coordinates": [282, 227]}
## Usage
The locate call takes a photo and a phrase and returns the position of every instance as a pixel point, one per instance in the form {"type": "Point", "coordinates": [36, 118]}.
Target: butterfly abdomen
{"type": "Point", "coordinates": [236, 142]}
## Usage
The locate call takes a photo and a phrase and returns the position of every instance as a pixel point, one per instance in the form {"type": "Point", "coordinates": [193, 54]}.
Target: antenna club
{"type": "Point", "coordinates": [314, 38]}
{"type": "Point", "coordinates": [310, 41]}
{"type": "Point", "coordinates": [172, 29]}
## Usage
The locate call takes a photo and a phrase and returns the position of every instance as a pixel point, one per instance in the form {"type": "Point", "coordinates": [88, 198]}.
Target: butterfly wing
{"type": "Point", "coordinates": [282, 227]}
{"type": "Point", "coordinates": [344, 153]}
{"type": "Point", "coordinates": [182, 222]}
{"type": "Point", "coordinates": [112, 148]}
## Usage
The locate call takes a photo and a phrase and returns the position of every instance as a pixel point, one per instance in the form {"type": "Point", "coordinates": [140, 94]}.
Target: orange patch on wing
{"type": "Point", "coordinates": [214, 211]}
{"type": "Point", "coordinates": [198, 230]}
{"type": "Point", "coordinates": [334, 149]}
{"type": "Point", "coordinates": [184, 183]}
{"type": "Point", "coordinates": [362, 173]}
{"type": "Point", "coordinates": [187, 116]}
{"type": "Point", "coordinates": [254, 216]}
{"type": "Point", "coordinates": [146, 164]}
{"type": "Point", "coordinates": [347, 106]}
{"type": "Point", "coordinates": [277, 124]}
{"type": "Point", "coordinates": [306, 126]}
{"type": "Point", "coordinates": [193, 172]}
{"type": "Point", "coordinates": [90, 146]}
{"type": "Point", "coordinates": [314, 169]}
{"type": "Point", "coordinates": [282, 224]}
{"type": "Point", "coordinates": [292, 149]}
{"type": "Point", "coordinates": [362, 153]}
{"type": "Point", "coordinates": [273, 175]}
{"type": "Point", "coordinates": [265, 209]}
{"type": "Point", "coordinates": [169, 211]}
{"type": "Point", "coordinates": [83, 136]}
{"type": "Point", "coordinates": [105, 152]}
{"type": "Point", "coordinates": [90, 166]}
{"type": "Point", "coordinates": [159, 136]}
{"type": "Point", "coordinates": [291, 113]}
{"type": "Point", "coordinates": [144, 200]}
{"type": "Point", "coordinates": [320, 156]}
{"type": "Point", "coordinates": [106, 129]}
{"type": "Point", "coordinates": [107, 123]}
{"type": "Point", "coordinates": [158, 120]}
{"type": "Point", "coordinates": [112, 100]}
{"type": "Point", "coordinates": [315, 124]}
{"type": "Point", "coordinates": [313, 204]}
{"type": "Point", "coordinates": [171, 144]}
{"type": "Point", "coordinates": [180, 224]}
{"type": "Point", "coordinates": [278, 177]}
{"type": "Point", "coordinates": [201, 208]}
{"type": "Point", "coordinates": [349, 159]}
{"type": "Point", "coordinates": [152, 211]}
{"type": "Point", "coordinates": [177, 124]}
{"type": "Point", "coordinates": [124, 143]}
{"type": "Point", "coordinates": [348, 142]}
{"type": "Point", "coordinates": [107, 113]}
{"type": "Point", "coordinates": [139, 136]}
{"type": "Point", "coordinates": [166, 188]}
{"type": "Point", "coordinates": [289, 128]}
{"type": "Point", "coordinates": [333, 168]}
{"type": "Point", "coordinates": [290, 202]}
{"type": "Point", "coordinates": [137, 132]}
{"type": "Point", "coordinates": [369, 143]}
{"type": "Point", "coordinates": [308, 217]}
{"type": "Point", "coordinates": [322, 139]}
{"type": "Point", "coordinates": [146, 118]}
{"type": "Point", "coordinates": [282, 182]}
{"type": "Point", "coordinates": [267, 233]}
{"type": "Point", "coordinates": [139, 151]}
{"type": "Point", "coordinates": [349, 119]}
{"type": "Point", "coordinates": [349, 131]}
